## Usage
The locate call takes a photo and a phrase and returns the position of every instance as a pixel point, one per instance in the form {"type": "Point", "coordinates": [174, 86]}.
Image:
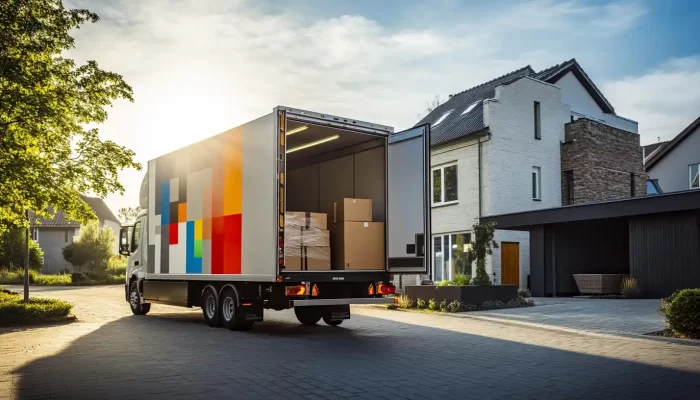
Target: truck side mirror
{"type": "Point", "coordinates": [124, 241]}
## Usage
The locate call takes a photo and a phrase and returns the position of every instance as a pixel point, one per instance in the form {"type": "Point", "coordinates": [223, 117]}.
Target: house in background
{"type": "Point", "coordinates": [54, 234]}
{"type": "Point", "coordinates": [525, 141]}
{"type": "Point", "coordinates": [675, 165]}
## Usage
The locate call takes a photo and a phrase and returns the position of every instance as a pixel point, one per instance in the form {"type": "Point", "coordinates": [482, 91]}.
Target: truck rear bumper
{"type": "Point", "coordinates": [336, 302]}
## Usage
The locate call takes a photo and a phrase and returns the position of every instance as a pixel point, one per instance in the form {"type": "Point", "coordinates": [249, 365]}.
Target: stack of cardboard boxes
{"type": "Point", "coordinates": [307, 242]}
{"type": "Point", "coordinates": [357, 242]}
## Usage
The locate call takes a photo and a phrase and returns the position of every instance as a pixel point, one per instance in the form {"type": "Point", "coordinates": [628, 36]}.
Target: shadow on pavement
{"type": "Point", "coordinates": [176, 355]}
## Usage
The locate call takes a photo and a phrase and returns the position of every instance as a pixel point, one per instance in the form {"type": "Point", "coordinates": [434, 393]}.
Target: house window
{"type": "Point", "coordinates": [569, 186]}
{"type": "Point", "coordinates": [450, 256]}
{"type": "Point", "coordinates": [632, 182]}
{"type": "Point", "coordinates": [694, 176]}
{"type": "Point", "coordinates": [35, 234]}
{"type": "Point", "coordinates": [68, 235]}
{"type": "Point", "coordinates": [445, 184]}
{"type": "Point", "coordinates": [536, 184]}
{"type": "Point", "coordinates": [136, 236]}
{"type": "Point", "coordinates": [538, 123]}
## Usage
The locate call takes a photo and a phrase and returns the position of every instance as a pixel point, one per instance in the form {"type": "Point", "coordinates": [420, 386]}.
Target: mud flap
{"type": "Point", "coordinates": [250, 312]}
{"type": "Point", "coordinates": [337, 312]}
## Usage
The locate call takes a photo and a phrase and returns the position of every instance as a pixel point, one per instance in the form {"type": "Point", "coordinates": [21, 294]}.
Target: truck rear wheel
{"type": "Point", "coordinates": [230, 316]}
{"type": "Point", "coordinates": [307, 315]}
{"type": "Point", "coordinates": [210, 307]}
{"type": "Point", "coordinates": [135, 301]}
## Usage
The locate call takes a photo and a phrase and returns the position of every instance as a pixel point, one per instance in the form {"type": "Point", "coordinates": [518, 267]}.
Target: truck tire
{"type": "Point", "coordinates": [210, 307]}
{"type": "Point", "coordinates": [228, 304]}
{"type": "Point", "coordinates": [135, 300]}
{"type": "Point", "coordinates": [332, 322]}
{"type": "Point", "coordinates": [307, 315]}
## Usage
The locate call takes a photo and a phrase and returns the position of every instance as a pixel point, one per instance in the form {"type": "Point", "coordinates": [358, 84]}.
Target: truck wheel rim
{"type": "Point", "coordinates": [211, 307]}
{"type": "Point", "coordinates": [134, 299]}
{"type": "Point", "coordinates": [228, 309]}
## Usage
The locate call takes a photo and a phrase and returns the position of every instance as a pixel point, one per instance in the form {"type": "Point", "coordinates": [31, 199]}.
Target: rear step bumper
{"type": "Point", "coordinates": [336, 302]}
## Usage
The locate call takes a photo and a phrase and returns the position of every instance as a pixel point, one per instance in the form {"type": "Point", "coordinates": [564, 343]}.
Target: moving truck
{"type": "Point", "coordinates": [217, 214]}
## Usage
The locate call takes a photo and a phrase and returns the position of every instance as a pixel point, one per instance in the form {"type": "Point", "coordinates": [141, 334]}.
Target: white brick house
{"type": "Point", "coordinates": [496, 150]}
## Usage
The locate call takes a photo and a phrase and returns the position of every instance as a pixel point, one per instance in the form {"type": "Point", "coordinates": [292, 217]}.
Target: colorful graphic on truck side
{"type": "Point", "coordinates": [197, 208]}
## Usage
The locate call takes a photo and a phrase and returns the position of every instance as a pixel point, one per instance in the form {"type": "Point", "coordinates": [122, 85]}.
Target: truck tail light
{"type": "Point", "coordinates": [384, 289]}
{"type": "Point", "coordinates": [296, 290]}
{"type": "Point", "coordinates": [370, 289]}
{"type": "Point", "coordinates": [314, 290]}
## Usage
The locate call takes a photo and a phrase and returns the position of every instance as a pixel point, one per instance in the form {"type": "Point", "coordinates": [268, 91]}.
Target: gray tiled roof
{"type": "Point", "coordinates": [60, 220]}
{"type": "Point", "coordinates": [458, 125]}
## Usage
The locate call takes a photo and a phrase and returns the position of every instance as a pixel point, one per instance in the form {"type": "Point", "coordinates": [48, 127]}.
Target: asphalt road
{"type": "Point", "coordinates": [172, 354]}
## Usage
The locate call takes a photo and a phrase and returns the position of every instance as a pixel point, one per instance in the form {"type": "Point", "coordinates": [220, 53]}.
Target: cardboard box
{"type": "Point", "coordinates": [315, 237]}
{"type": "Point", "coordinates": [317, 258]}
{"type": "Point", "coordinates": [298, 219]}
{"type": "Point", "coordinates": [352, 210]}
{"type": "Point", "coordinates": [358, 246]}
{"type": "Point", "coordinates": [292, 263]}
{"type": "Point", "coordinates": [293, 237]}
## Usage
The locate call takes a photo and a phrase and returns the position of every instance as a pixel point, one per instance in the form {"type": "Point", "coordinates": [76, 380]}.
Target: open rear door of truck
{"type": "Point", "coordinates": [408, 221]}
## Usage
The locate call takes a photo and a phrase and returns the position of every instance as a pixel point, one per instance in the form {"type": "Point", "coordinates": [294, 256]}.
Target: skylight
{"type": "Point", "coordinates": [471, 107]}
{"type": "Point", "coordinates": [442, 118]}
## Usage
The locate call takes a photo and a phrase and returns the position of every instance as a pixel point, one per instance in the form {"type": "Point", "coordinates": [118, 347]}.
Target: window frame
{"type": "Point", "coordinates": [690, 175]}
{"type": "Point", "coordinates": [442, 168]}
{"type": "Point", "coordinates": [537, 110]}
{"type": "Point", "coordinates": [134, 234]}
{"type": "Point", "coordinates": [447, 271]}
{"type": "Point", "coordinates": [537, 183]}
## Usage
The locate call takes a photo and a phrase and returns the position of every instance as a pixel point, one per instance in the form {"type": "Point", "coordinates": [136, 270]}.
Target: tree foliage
{"type": "Point", "coordinates": [91, 250]}
{"type": "Point", "coordinates": [127, 215]}
{"type": "Point", "coordinates": [12, 247]}
{"type": "Point", "coordinates": [47, 154]}
{"type": "Point", "coordinates": [483, 246]}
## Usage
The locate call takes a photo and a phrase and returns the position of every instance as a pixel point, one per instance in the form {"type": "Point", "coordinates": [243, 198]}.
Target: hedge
{"type": "Point", "coordinates": [13, 309]}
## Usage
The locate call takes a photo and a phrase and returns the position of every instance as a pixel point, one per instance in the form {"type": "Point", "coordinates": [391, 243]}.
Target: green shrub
{"type": "Point", "coordinates": [14, 310]}
{"type": "Point", "coordinates": [405, 302]}
{"type": "Point", "coordinates": [461, 280]}
{"type": "Point", "coordinates": [12, 246]}
{"type": "Point", "coordinates": [392, 306]}
{"type": "Point", "coordinates": [51, 280]}
{"type": "Point", "coordinates": [492, 305]}
{"type": "Point", "coordinates": [433, 305]}
{"type": "Point", "coordinates": [683, 313]}
{"type": "Point", "coordinates": [445, 283]}
{"type": "Point", "coordinates": [78, 277]}
{"type": "Point", "coordinates": [455, 306]}
{"type": "Point", "coordinates": [421, 304]}
{"type": "Point", "coordinates": [524, 293]}
{"type": "Point", "coordinates": [117, 265]}
{"type": "Point", "coordinates": [519, 302]}
{"type": "Point", "coordinates": [630, 288]}
{"type": "Point", "coordinates": [469, 307]}
{"type": "Point", "coordinates": [443, 306]}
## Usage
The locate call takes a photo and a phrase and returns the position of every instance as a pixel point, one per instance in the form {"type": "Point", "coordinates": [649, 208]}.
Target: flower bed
{"type": "Point", "coordinates": [13, 309]}
{"type": "Point", "coordinates": [471, 294]}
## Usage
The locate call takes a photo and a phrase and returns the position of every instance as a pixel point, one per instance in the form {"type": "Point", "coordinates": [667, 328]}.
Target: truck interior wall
{"type": "Point", "coordinates": [315, 187]}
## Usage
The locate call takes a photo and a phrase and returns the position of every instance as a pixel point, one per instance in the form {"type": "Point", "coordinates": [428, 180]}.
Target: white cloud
{"type": "Point", "coordinates": [200, 67]}
{"type": "Point", "coordinates": [663, 100]}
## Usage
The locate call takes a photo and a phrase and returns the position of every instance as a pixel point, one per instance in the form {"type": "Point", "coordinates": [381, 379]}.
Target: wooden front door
{"type": "Point", "coordinates": [510, 263]}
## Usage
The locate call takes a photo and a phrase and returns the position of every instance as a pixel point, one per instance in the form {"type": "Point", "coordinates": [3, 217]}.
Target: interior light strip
{"type": "Point", "coordinates": [306, 146]}
{"type": "Point", "coordinates": [297, 130]}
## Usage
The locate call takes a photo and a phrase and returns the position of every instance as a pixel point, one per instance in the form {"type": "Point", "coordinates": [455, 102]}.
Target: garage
{"type": "Point", "coordinates": [655, 239]}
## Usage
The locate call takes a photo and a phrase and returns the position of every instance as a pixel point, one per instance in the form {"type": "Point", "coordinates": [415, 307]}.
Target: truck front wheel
{"type": "Point", "coordinates": [135, 300]}
{"type": "Point", "coordinates": [307, 315]}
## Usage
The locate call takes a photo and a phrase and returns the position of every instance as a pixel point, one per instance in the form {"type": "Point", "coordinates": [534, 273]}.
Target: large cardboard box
{"type": "Point", "coordinates": [298, 219]}
{"type": "Point", "coordinates": [292, 263]}
{"type": "Point", "coordinates": [315, 237]}
{"type": "Point", "coordinates": [352, 210]}
{"type": "Point", "coordinates": [317, 258]}
{"type": "Point", "coordinates": [358, 246]}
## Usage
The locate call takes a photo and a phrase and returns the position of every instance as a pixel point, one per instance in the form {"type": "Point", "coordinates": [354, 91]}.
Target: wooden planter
{"type": "Point", "coordinates": [475, 295]}
{"type": "Point", "coordinates": [599, 283]}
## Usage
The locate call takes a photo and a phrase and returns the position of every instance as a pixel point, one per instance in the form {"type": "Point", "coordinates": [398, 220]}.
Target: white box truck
{"type": "Point", "coordinates": [212, 234]}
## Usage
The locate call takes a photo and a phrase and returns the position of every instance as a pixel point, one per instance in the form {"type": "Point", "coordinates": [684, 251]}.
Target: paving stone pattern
{"type": "Point", "coordinates": [172, 354]}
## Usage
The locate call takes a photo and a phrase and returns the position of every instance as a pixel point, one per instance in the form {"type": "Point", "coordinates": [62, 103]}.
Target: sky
{"type": "Point", "coordinates": [199, 67]}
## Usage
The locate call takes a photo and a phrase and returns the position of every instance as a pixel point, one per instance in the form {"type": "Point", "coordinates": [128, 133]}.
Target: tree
{"type": "Point", "coordinates": [12, 248]}
{"type": "Point", "coordinates": [483, 245]}
{"type": "Point", "coordinates": [127, 215]}
{"type": "Point", "coordinates": [47, 155]}
{"type": "Point", "coordinates": [92, 249]}
{"type": "Point", "coordinates": [432, 105]}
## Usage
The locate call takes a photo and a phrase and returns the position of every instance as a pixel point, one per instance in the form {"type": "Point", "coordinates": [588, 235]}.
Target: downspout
{"type": "Point", "coordinates": [479, 161]}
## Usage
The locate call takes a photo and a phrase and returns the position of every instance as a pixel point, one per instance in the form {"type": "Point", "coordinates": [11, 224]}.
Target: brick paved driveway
{"type": "Point", "coordinates": [172, 354]}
